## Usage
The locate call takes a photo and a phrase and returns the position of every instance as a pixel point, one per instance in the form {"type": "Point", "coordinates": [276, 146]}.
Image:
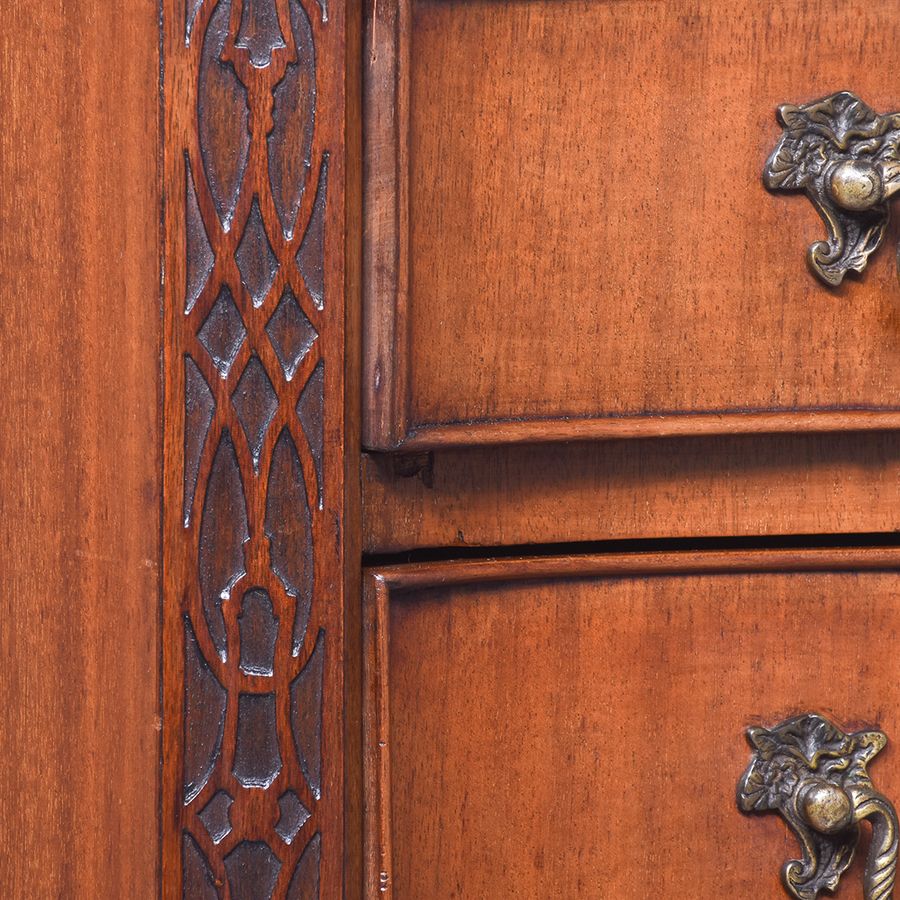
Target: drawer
{"type": "Point", "coordinates": [567, 233]}
{"type": "Point", "coordinates": [577, 727]}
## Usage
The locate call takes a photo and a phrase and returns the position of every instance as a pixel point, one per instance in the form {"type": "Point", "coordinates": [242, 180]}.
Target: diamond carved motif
{"type": "Point", "coordinates": [255, 400]}
{"type": "Point", "coordinates": [257, 263]}
{"type": "Point", "coordinates": [216, 816]}
{"type": "Point", "coordinates": [223, 332]}
{"type": "Point", "coordinates": [291, 333]}
{"type": "Point", "coordinates": [294, 816]}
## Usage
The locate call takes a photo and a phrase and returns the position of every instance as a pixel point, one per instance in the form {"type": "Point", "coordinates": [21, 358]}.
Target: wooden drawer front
{"type": "Point", "coordinates": [576, 727]}
{"type": "Point", "coordinates": [567, 232]}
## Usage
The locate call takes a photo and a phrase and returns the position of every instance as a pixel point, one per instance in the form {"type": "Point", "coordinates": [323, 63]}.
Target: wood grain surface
{"type": "Point", "coordinates": [587, 248]}
{"type": "Point", "coordinates": [574, 727]}
{"type": "Point", "coordinates": [679, 487]}
{"type": "Point", "coordinates": [79, 441]}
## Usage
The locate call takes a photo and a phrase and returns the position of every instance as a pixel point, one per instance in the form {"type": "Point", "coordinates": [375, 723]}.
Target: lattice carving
{"type": "Point", "coordinates": [254, 349]}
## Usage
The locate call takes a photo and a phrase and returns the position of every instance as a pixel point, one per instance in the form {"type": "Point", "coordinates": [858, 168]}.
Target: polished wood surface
{"type": "Point", "coordinates": [565, 238]}
{"type": "Point", "coordinates": [575, 726]}
{"type": "Point", "coordinates": [385, 246]}
{"type": "Point", "coordinates": [586, 248]}
{"type": "Point", "coordinates": [80, 444]}
{"type": "Point", "coordinates": [744, 486]}
{"type": "Point", "coordinates": [255, 464]}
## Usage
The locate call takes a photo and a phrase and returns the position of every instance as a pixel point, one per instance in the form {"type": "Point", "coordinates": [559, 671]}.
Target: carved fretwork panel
{"type": "Point", "coordinates": [254, 369]}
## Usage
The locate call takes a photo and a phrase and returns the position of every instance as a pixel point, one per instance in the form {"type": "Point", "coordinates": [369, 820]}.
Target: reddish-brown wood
{"type": "Point", "coordinates": [574, 726]}
{"type": "Point", "coordinates": [378, 851]}
{"type": "Point", "coordinates": [255, 462]}
{"type": "Point", "coordinates": [385, 360]}
{"type": "Point", "coordinates": [351, 526]}
{"type": "Point", "coordinates": [565, 237]}
{"type": "Point", "coordinates": [80, 449]}
{"type": "Point", "coordinates": [526, 430]}
{"type": "Point", "coordinates": [685, 487]}
{"type": "Point", "coordinates": [585, 248]}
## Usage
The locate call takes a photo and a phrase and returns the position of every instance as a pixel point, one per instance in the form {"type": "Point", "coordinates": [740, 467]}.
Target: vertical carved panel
{"type": "Point", "coordinates": [254, 491]}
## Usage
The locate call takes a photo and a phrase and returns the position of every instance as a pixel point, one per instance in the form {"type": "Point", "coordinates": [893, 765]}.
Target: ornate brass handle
{"type": "Point", "coordinates": [846, 158]}
{"type": "Point", "coordinates": [815, 775]}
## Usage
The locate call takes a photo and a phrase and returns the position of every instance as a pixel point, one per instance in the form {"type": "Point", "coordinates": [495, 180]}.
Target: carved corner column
{"type": "Point", "coordinates": [253, 231]}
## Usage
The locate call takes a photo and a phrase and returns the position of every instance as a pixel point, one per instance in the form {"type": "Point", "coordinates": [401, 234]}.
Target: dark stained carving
{"type": "Point", "coordinates": [259, 632]}
{"type": "Point", "coordinates": [198, 883]}
{"type": "Point", "coordinates": [199, 407]}
{"type": "Point", "coordinates": [293, 816]}
{"type": "Point", "coordinates": [311, 255]}
{"type": "Point", "coordinates": [815, 775]}
{"type": "Point", "coordinates": [289, 529]}
{"type": "Point", "coordinates": [216, 818]}
{"type": "Point", "coordinates": [253, 105]}
{"type": "Point", "coordinates": [846, 158]}
{"type": "Point", "coordinates": [293, 117]}
{"type": "Point", "coordinates": [204, 717]}
{"type": "Point", "coordinates": [257, 760]}
{"type": "Point", "coordinates": [222, 118]}
{"type": "Point", "coordinates": [223, 531]}
{"type": "Point", "coordinates": [199, 257]}
{"type": "Point", "coordinates": [310, 411]}
{"type": "Point", "coordinates": [260, 32]}
{"type": "Point", "coordinates": [291, 333]}
{"type": "Point", "coordinates": [256, 261]}
{"type": "Point", "coordinates": [306, 716]}
{"type": "Point", "coordinates": [223, 332]}
{"type": "Point", "coordinates": [191, 8]}
{"type": "Point", "coordinates": [305, 880]}
{"type": "Point", "coordinates": [252, 871]}
{"type": "Point", "coordinates": [255, 401]}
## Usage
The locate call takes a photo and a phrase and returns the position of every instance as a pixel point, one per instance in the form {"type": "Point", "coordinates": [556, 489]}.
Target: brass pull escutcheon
{"type": "Point", "coordinates": [846, 158]}
{"type": "Point", "coordinates": [815, 775]}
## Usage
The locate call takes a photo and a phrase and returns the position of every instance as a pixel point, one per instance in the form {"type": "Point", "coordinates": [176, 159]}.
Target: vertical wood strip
{"type": "Point", "coordinates": [376, 739]}
{"type": "Point", "coordinates": [254, 448]}
{"type": "Point", "coordinates": [386, 226]}
{"type": "Point", "coordinates": [80, 444]}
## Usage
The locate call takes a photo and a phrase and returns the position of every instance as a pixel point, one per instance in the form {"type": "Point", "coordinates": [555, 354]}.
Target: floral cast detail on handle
{"type": "Point", "coordinates": [846, 158]}
{"type": "Point", "coordinates": [814, 775]}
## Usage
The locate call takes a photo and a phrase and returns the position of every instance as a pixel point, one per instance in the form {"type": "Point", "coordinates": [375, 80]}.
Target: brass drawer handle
{"type": "Point", "coordinates": [846, 158]}
{"type": "Point", "coordinates": [815, 775]}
